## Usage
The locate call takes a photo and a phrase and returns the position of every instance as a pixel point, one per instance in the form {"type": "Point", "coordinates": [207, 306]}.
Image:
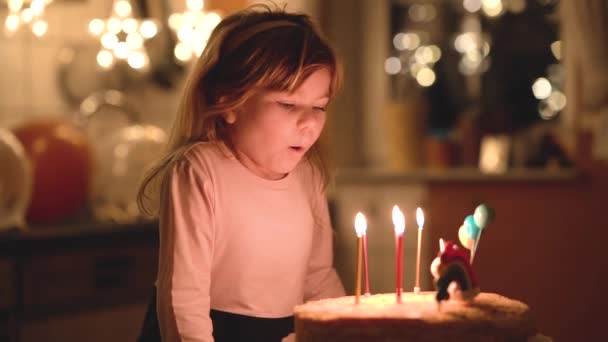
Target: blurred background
{"type": "Point", "coordinates": [446, 104]}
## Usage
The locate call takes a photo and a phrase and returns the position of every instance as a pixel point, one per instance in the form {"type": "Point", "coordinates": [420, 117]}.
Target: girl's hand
{"type": "Point", "coordinates": [289, 338]}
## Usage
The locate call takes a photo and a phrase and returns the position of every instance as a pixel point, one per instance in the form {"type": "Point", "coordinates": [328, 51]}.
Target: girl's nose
{"type": "Point", "coordinates": [311, 119]}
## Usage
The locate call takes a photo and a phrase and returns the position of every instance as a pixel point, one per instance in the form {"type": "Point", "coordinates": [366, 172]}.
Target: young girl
{"type": "Point", "coordinates": [244, 226]}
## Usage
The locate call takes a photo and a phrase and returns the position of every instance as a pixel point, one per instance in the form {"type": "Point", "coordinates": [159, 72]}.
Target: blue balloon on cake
{"type": "Point", "coordinates": [472, 228]}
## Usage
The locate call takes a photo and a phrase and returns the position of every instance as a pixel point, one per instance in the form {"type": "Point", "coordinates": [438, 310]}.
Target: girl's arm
{"type": "Point", "coordinates": [186, 247]}
{"type": "Point", "coordinates": [322, 281]}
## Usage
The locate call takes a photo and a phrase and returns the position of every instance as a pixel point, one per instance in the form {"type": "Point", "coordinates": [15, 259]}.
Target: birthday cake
{"type": "Point", "coordinates": [457, 311]}
{"type": "Point", "coordinates": [489, 317]}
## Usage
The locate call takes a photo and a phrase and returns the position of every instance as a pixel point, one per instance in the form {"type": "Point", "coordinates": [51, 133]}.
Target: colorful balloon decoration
{"type": "Point", "coordinates": [15, 181]}
{"type": "Point", "coordinates": [482, 217]}
{"type": "Point", "coordinates": [61, 161]}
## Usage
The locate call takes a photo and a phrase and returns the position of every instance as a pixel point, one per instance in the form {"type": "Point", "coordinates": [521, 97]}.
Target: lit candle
{"type": "Point", "coordinates": [420, 221]}
{"type": "Point", "coordinates": [399, 224]}
{"type": "Point", "coordinates": [360, 228]}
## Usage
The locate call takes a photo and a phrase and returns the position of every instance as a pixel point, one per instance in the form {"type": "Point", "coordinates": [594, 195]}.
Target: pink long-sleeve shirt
{"type": "Point", "coordinates": [235, 242]}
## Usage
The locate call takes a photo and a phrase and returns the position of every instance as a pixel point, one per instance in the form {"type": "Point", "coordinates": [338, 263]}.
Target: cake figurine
{"type": "Point", "coordinates": [454, 276]}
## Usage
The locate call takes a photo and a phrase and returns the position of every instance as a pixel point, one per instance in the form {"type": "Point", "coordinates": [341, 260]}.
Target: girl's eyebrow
{"type": "Point", "coordinates": [289, 95]}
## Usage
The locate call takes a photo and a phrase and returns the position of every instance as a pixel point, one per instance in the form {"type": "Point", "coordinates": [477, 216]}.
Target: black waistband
{"type": "Point", "coordinates": [227, 327]}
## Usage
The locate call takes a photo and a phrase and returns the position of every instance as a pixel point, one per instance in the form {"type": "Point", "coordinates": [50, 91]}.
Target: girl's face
{"type": "Point", "coordinates": [273, 130]}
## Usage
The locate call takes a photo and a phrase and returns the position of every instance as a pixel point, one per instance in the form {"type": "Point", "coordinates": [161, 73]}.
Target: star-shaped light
{"type": "Point", "coordinates": [193, 28]}
{"type": "Point", "coordinates": [29, 13]}
{"type": "Point", "coordinates": [122, 37]}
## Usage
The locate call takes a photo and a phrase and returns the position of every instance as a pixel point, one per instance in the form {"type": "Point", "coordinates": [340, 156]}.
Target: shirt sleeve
{"type": "Point", "coordinates": [185, 256]}
{"type": "Point", "coordinates": [322, 281]}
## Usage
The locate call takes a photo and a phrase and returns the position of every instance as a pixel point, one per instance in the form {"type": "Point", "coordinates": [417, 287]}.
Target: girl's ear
{"type": "Point", "coordinates": [229, 116]}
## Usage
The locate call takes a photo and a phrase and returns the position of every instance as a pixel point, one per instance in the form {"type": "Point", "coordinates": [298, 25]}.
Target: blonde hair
{"type": "Point", "coordinates": [257, 48]}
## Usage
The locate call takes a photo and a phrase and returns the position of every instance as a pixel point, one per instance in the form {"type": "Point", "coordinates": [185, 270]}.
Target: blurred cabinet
{"type": "Point", "coordinates": [88, 283]}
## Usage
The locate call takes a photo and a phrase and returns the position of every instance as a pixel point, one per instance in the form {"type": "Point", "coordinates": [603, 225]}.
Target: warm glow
{"type": "Point", "coordinates": [114, 25]}
{"type": "Point", "coordinates": [109, 40]}
{"type": "Point", "coordinates": [105, 59]}
{"type": "Point", "coordinates": [39, 28]}
{"type": "Point", "coordinates": [175, 21]}
{"type": "Point", "coordinates": [122, 50]}
{"type": "Point", "coordinates": [494, 156]}
{"type": "Point", "coordinates": [137, 60]}
{"type": "Point", "coordinates": [492, 8]}
{"type": "Point", "coordinates": [148, 29]}
{"type": "Point", "coordinates": [360, 224]}
{"type": "Point", "coordinates": [135, 41]}
{"type": "Point", "coordinates": [541, 88]}
{"type": "Point", "coordinates": [398, 221]}
{"type": "Point", "coordinates": [424, 55]}
{"type": "Point", "coordinates": [420, 218]}
{"type": "Point", "coordinates": [129, 25]}
{"type": "Point", "coordinates": [195, 5]}
{"type": "Point", "coordinates": [406, 41]}
{"type": "Point", "coordinates": [557, 100]}
{"type": "Point", "coordinates": [122, 8]}
{"type": "Point", "coordinates": [182, 52]}
{"type": "Point", "coordinates": [26, 12]}
{"type": "Point", "coordinates": [425, 77]}
{"type": "Point", "coordinates": [15, 5]}
{"type": "Point", "coordinates": [556, 49]}
{"type": "Point", "coordinates": [12, 22]}
{"type": "Point", "coordinates": [27, 15]}
{"type": "Point", "coordinates": [392, 65]}
{"type": "Point", "coordinates": [472, 5]}
{"type": "Point", "coordinates": [122, 37]}
{"type": "Point", "coordinates": [192, 28]}
{"type": "Point", "coordinates": [96, 26]}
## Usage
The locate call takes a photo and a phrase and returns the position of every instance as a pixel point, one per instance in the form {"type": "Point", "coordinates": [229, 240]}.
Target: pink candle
{"type": "Point", "coordinates": [367, 292]}
{"type": "Point", "coordinates": [399, 224]}
{"type": "Point", "coordinates": [399, 266]}
{"type": "Point", "coordinates": [420, 220]}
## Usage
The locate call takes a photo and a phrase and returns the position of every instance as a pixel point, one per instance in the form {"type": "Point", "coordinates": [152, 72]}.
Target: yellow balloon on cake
{"type": "Point", "coordinates": [464, 238]}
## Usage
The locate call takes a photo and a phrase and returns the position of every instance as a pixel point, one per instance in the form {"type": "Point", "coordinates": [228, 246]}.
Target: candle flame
{"type": "Point", "coordinates": [398, 221]}
{"type": "Point", "coordinates": [441, 245]}
{"type": "Point", "coordinates": [360, 224]}
{"type": "Point", "coordinates": [420, 218]}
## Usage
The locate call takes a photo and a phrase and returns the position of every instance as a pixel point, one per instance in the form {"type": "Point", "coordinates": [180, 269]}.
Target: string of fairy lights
{"type": "Point", "coordinates": [26, 13]}
{"type": "Point", "coordinates": [192, 27]}
{"type": "Point", "coordinates": [122, 35]}
{"type": "Point", "coordinates": [416, 55]}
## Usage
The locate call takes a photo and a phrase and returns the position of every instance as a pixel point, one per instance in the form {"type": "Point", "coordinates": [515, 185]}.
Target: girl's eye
{"type": "Point", "coordinates": [286, 105]}
{"type": "Point", "coordinates": [319, 109]}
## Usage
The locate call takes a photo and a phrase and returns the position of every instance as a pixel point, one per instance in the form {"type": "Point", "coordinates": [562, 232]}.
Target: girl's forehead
{"type": "Point", "coordinates": [316, 85]}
